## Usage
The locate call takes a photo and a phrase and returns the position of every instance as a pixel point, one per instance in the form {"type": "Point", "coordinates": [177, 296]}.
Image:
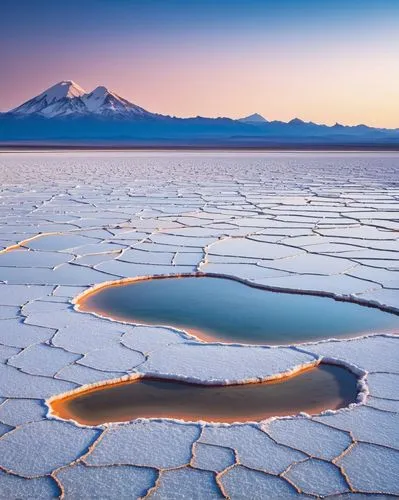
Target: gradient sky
{"type": "Point", "coordinates": [319, 60]}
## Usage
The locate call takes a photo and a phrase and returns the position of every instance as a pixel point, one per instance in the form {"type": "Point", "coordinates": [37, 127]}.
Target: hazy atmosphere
{"type": "Point", "coordinates": [330, 61]}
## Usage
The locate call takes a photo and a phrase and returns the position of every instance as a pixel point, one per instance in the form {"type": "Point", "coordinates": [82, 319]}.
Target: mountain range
{"type": "Point", "coordinates": [65, 114]}
{"type": "Point", "coordinates": [68, 98]}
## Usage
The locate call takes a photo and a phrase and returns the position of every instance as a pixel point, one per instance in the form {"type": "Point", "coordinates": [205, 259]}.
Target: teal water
{"type": "Point", "coordinates": [230, 311]}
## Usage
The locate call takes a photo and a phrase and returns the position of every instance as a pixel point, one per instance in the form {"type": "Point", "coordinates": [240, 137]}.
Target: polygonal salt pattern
{"type": "Point", "coordinates": [19, 411]}
{"type": "Point", "coordinates": [114, 358]}
{"type": "Point", "coordinates": [65, 274]}
{"type": "Point", "coordinates": [242, 247]}
{"type": "Point", "coordinates": [16, 487]}
{"type": "Point", "coordinates": [373, 353]}
{"type": "Point", "coordinates": [339, 285]}
{"type": "Point", "coordinates": [82, 375]}
{"type": "Point", "coordinates": [366, 424]}
{"type": "Point", "coordinates": [147, 339]}
{"type": "Point", "coordinates": [18, 295]}
{"type": "Point", "coordinates": [254, 448]}
{"type": "Point", "coordinates": [217, 363]}
{"type": "Point", "coordinates": [241, 482]}
{"type": "Point", "coordinates": [115, 482]}
{"type": "Point", "coordinates": [16, 384]}
{"type": "Point", "coordinates": [128, 444]}
{"type": "Point", "coordinates": [46, 305]}
{"type": "Point", "coordinates": [315, 264]}
{"type": "Point", "coordinates": [8, 312]}
{"type": "Point", "coordinates": [210, 457]}
{"type": "Point", "coordinates": [308, 436]}
{"type": "Point", "coordinates": [186, 483]}
{"type": "Point", "coordinates": [383, 404]}
{"type": "Point", "coordinates": [53, 444]}
{"type": "Point", "coordinates": [19, 258]}
{"type": "Point", "coordinates": [317, 477]}
{"type": "Point", "coordinates": [384, 385]}
{"type": "Point", "coordinates": [4, 428]}
{"type": "Point", "coordinates": [372, 468]}
{"type": "Point", "coordinates": [323, 223]}
{"type": "Point", "coordinates": [41, 359]}
{"type": "Point", "coordinates": [383, 297]}
{"type": "Point", "coordinates": [15, 333]}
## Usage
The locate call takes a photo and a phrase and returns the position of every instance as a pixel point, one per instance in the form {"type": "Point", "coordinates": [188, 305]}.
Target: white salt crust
{"type": "Point", "coordinates": [324, 224]}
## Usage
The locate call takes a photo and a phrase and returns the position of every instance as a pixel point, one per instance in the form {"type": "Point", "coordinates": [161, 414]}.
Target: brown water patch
{"type": "Point", "coordinates": [312, 391]}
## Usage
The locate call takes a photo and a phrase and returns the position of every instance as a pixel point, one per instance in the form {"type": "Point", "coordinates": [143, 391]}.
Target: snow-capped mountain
{"type": "Point", "coordinates": [68, 98]}
{"type": "Point", "coordinates": [67, 114]}
{"type": "Point", "coordinates": [63, 98]}
{"type": "Point", "coordinates": [102, 101]}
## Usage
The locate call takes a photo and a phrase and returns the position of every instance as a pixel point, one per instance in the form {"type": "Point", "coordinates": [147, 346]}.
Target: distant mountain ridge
{"type": "Point", "coordinates": [255, 118]}
{"type": "Point", "coordinates": [66, 114]}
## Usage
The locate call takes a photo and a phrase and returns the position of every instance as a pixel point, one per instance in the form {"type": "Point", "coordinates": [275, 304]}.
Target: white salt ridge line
{"type": "Point", "coordinates": [23, 242]}
{"type": "Point", "coordinates": [352, 298]}
{"type": "Point", "coordinates": [361, 375]}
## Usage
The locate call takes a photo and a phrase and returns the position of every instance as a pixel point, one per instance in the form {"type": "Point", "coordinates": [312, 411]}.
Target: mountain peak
{"type": "Point", "coordinates": [104, 102]}
{"type": "Point", "coordinates": [66, 88]}
{"type": "Point", "coordinates": [296, 121]}
{"type": "Point", "coordinates": [100, 91]}
{"type": "Point", "coordinates": [62, 98]}
{"type": "Point", "coordinates": [68, 98]}
{"type": "Point", "coordinates": [254, 118]}
{"type": "Point", "coordinates": [96, 99]}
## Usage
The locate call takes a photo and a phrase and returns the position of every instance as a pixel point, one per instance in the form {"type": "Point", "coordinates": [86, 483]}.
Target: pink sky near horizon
{"type": "Point", "coordinates": [281, 88]}
{"type": "Point", "coordinates": [348, 74]}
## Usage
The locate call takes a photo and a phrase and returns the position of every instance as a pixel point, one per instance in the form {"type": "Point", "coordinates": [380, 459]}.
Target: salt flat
{"type": "Point", "coordinates": [326, 223]}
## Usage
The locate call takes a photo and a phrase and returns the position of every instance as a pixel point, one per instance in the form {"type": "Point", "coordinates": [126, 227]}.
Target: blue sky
{"type": "Point", "coordinates": [211, 57]}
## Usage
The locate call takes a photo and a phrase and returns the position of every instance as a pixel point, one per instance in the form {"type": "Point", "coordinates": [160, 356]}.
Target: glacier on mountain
{"type": "Point", "coordinates": [67, 97]}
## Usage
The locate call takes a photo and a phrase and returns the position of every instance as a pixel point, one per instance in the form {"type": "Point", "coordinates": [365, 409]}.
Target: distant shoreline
{"type": "Point", "coordinates": [336, 148]}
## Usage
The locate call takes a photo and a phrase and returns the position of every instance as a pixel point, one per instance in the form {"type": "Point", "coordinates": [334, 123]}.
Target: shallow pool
{"type": "Point", "coordinates": [313, 390]}
{"type": "Point", "coordinates": [221, 309]}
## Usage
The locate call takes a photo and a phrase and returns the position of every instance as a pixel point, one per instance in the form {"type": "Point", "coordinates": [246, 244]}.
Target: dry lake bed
{"type": "Point", "coordinates": [283, 284]}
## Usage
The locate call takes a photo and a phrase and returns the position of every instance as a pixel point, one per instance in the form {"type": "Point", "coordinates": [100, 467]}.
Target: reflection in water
{"type": "Point", "coordinates": [313, 390]}
{"type": "Point", "coordinates": [223, 309]}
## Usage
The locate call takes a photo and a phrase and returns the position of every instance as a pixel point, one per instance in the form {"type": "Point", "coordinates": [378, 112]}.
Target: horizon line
{"type": "Point", "coordinates": [73, 82]}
